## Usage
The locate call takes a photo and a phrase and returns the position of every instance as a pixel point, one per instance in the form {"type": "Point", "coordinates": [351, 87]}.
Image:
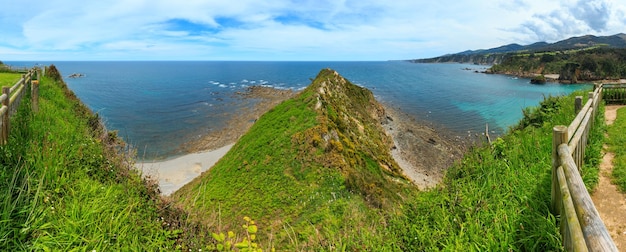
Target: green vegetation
{"type": "Point", "coordinates": [314, 172]}
{"type": "Point", "coordinates": [65, 186]}
{"type": "Point", "coordinates": [617, 144]}
{"type": "Point", "coordinates": [497, 198]}
{"type": "Point", "coordinates": [574, 65]}
{"type": "Point", "coordinates": [614, 94]}
{"type": "Point", "coordinates": [288, 173]}
{"type": "Point", "coordinates": [8, 79]}
{"type": "Point", "coordinates": [539, 79]}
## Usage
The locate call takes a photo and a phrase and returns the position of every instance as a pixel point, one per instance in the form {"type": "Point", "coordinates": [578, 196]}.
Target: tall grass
{"type": "Point", "coordinates": [8, 79]}
{"type": "Point", "coordinates": [497, 198]}
{"type": "Point", "coordinates": [309, 177]}
{"type": "Point", "coordinates": [67, 189]}
{"type": "Point", "coordinates": [617, 144]}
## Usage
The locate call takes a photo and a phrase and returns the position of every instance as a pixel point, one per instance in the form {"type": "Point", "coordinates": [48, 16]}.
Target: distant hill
{"type": "Point", "coordinates": [498, 54]}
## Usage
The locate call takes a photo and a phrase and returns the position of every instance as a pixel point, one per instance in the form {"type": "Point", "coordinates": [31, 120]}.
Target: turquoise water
{"type": "Point", "coordinates": [158, 106]}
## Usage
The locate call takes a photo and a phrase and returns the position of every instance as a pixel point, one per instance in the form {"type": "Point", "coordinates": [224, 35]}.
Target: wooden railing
{"type": "Point", "coordinates": [614, 93]}
{"type": "Point", "coordinates": [11, 98]}
{"type": "Point", "coordinates": [12, 69]}
{"type": "Point", "coordinates": [581, 227]}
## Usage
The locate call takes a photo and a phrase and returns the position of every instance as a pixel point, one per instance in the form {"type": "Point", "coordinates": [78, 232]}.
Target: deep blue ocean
{"type": "Point", "coordinates": [158, 105]}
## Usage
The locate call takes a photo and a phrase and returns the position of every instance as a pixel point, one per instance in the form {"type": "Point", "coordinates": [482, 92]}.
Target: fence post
{"type": "Point", "coordinates": [5, 117]}
{"type": "Point", "coordinates": [594, 105]}
{"type": "Point", "coordinates": [34, 94]}
{"type": "Point", "coordinates": [559, 136]}
{"type": "Point", "coordinates": [578, 104]}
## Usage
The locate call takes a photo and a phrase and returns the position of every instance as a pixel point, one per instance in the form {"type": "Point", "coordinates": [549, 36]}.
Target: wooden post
{"type": "Point", "coordinates": [5, 118]}
{"type": "Point", "coordinates": [34, 94]}
{"type": "Point", "coordinates": [597, 237]}
{"type": "Point", "coordinates": [578, 104]}
{"type": "Point", "coordinates": [571, 231]}
{"type": "Point", "coordinates": [487, 133]}
{"type": "Point", "coordinates": [594, 106]}
{"type": "Point", "coordinates": [600, 93]}
{"type": "Point", "coordinates": [559, 136]}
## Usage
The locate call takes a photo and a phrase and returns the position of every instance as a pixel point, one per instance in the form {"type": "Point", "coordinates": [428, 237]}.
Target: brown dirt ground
{"type": "Point", "coordinates": [611, 204]}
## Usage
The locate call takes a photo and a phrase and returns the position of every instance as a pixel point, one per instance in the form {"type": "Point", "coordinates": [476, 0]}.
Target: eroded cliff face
{"type": "Point", "coordinates": [399, 144]}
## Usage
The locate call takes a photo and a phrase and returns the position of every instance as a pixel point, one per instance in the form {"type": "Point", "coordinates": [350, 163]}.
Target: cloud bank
{"type": "Point", "coordinates": [288, 29]}
{"type": "Point", "coordinates": [575, 19]}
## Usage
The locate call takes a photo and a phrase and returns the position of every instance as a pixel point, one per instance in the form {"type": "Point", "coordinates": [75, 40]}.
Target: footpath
{"type": "Point", "coordinates": [611, 203]}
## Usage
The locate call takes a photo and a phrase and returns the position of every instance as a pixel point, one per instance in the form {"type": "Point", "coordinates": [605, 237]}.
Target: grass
{"type": "Point", "coordinates": [497, 199]}
{"type": "Point", "coordinates": [66, 188]}
{"type": "Point", "coordinates": [304, 175]}
{"type": "Point", "coordinates": [9, 79]}
{"type": "Point", "coordinates": [312, 179]}
{"type": "Point", "coordinates": [617, 144]}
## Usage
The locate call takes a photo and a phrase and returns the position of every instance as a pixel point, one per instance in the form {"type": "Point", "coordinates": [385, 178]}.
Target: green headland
{"type": "Point", "coordinates": [315, 173]}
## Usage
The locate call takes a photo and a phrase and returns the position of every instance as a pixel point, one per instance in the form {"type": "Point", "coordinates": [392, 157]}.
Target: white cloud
{"type": "Point", "coordinates": [575, 18]}
{"type": "Point", "coordinates": [290, 29]}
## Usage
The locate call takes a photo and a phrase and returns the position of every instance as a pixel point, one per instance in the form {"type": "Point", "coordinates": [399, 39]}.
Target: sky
{"type": "Point", "coordinates": [290, 30]}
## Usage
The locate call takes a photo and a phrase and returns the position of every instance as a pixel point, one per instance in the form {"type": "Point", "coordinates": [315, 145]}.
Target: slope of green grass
{"type": "Point", "coordinates": [64, 187]}
{"type": "Point", "coordinates": [497, 198]}
{"type": "Point", "coordinates": [9, 79]}
{"type": "Point", "coordinates": [314, 171]}
{"type": "Point", "coordinates": [617, 144]}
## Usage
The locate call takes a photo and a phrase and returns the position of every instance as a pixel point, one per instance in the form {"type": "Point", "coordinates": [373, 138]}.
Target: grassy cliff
{"type": "Point", "coordinates": [573, 66]}
{"type": "Point", "coordinates": [315, 173]}
{"type": "Point", "coordinates": [66, 187]}
{"type": "Point", "coordinates": [315, 170]}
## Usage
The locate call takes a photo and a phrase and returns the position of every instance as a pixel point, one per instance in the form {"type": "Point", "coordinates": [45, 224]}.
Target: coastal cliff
{"type": "Point", "coordinates": [319, 162]}
{"type": "Point", "coordinates": [315, 173]}
{"type": "Point", "coordinates": [576, 59]}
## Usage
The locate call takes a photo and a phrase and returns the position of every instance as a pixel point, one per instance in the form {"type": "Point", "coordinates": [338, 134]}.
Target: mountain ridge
{"type": "Point", "coordinates": [497, 54]}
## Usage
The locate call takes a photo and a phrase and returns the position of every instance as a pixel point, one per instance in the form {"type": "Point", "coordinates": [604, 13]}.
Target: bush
{"type": "Point", "coordinates": [539, 79]}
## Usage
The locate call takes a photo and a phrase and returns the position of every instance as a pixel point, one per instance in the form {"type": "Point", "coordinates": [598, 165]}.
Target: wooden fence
{"type": "Point", "coordinates": [7, 68]}
{"type": "Point", "coordinates": [11, 98]}
{"type": "Point", "coordinates": [614, 93]}
{"type": "Point", "coordinates": [581, 227]}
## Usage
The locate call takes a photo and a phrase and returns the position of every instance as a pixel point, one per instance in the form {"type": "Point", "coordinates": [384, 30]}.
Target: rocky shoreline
{"type": "Point", "coordinates": [268, 97]}
{"type": "Point", "coordinates": [423, 152]}
{"type": "Point", "coordinates": [554, 78]}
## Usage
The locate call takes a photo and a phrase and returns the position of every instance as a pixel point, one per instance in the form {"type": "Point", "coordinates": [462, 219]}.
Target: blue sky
{"type": "Point", "coordinates": [289, 29]}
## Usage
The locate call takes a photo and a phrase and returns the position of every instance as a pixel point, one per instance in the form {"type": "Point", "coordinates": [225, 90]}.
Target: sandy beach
{"type": "Point", "coordinates": [175, 173]}
{"type": "Point", "coordinates": [422, 152]}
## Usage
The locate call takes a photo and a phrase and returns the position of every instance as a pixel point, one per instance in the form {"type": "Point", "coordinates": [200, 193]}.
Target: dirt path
{"type": "Point", "coordinates": [611, 204]}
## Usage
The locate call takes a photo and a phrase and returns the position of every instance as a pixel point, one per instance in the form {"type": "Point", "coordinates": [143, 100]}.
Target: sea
{"type": "Point", "coordinates": [158, 106]}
